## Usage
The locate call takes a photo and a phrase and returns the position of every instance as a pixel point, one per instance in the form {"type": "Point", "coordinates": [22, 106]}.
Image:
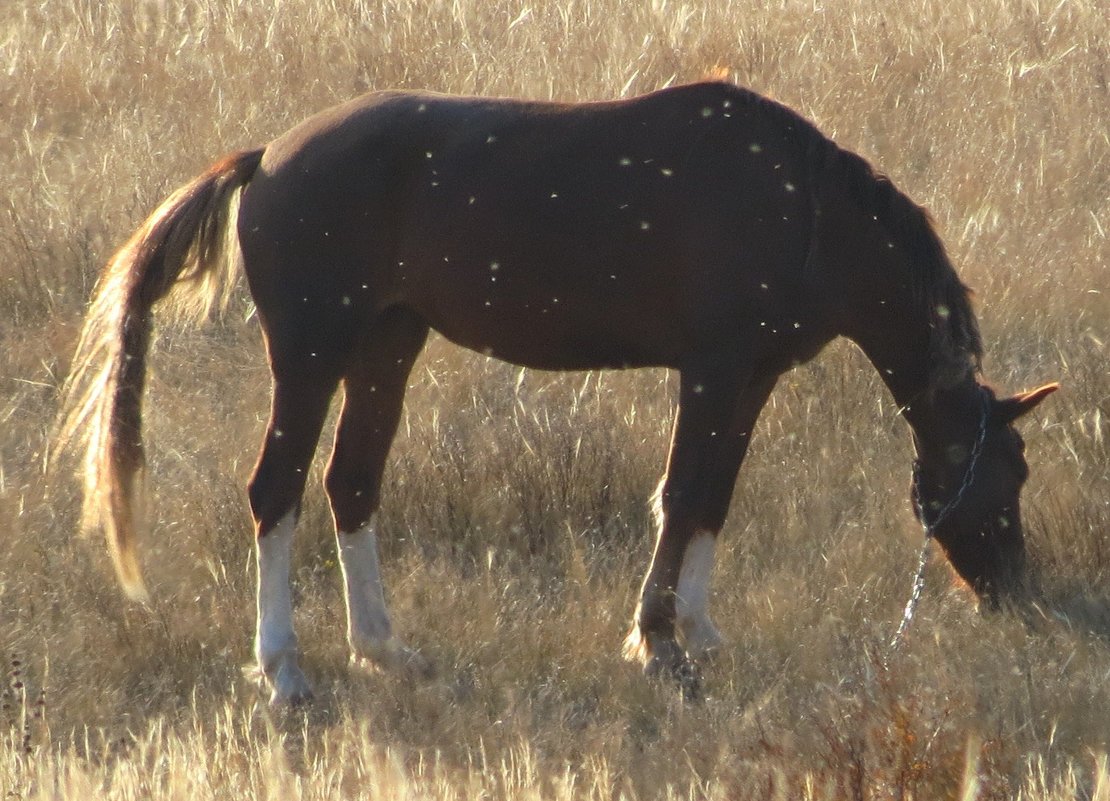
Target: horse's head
{"type": "Point", "coordinates": [967, 492]}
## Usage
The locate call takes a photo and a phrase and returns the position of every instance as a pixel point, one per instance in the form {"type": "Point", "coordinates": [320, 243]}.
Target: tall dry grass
{"type": "Point", "coordinates": [515, 519]}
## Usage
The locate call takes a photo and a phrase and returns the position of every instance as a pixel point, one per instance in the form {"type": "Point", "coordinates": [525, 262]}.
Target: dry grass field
{"type": "Point", "coordinates": [515, 521]}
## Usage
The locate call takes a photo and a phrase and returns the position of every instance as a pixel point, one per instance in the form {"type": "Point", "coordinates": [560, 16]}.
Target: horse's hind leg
{"type": "Point", "coordinates": [300, 403]}
{"type": "Point", "coordinates": [374, 390]}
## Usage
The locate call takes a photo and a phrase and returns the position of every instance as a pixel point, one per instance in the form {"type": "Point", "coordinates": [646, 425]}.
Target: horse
{"type": "Point", "coordinates": [701, 228]}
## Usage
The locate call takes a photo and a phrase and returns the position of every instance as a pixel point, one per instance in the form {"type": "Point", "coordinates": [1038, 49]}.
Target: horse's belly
{"type": "Point", "coordinates": [548, 334]}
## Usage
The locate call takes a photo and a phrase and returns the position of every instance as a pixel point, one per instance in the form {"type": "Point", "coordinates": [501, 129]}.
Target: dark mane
{"type": "Point", "coordinates": [955, 344]}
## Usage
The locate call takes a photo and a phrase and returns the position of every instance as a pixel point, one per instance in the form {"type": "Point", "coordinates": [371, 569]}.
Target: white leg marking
{"type": "Point", "coordinates": [369, 631]}
{"type": "Point", "coordinates": [368, 623]}
{"type": "Point", "coordinates": [275, 642]}
{"type": "Point", "coordinates": [698, 633]}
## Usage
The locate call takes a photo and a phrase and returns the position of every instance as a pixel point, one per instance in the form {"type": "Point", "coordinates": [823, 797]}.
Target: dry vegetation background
{"type": "Point", "coordinates": [515, 520]}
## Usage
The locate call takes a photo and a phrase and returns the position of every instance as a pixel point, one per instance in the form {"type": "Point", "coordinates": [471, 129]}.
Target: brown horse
{"type": "Point", "coordinates": [701, 228]}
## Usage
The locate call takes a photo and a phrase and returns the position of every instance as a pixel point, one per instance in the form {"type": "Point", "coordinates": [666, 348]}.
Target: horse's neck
{"type": "Point", "coordinates": [893, 332]}
{"type": "Point", "coordinates": [939, 415]}
{"type": "Point", "coordinates": [937, 411]}
{"type": "Point", "coordinates": [869, 282]}
{"type": "Point", "coordinates": [942, 416]}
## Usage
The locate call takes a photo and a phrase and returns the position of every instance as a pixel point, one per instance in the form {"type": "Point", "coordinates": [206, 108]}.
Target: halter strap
{"type": "Point", "coordinates": [930, 525]}
{"type": "Point", "coordinates": [969, 475]}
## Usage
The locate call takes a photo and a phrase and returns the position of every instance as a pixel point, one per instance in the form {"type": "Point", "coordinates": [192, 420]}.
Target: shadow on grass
{"type": "Point", "coordinates": [1073, 604]}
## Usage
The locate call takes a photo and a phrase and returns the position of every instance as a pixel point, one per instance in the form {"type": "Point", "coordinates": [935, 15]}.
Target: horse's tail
{"type": "Point", "coordinates": [188, 240]}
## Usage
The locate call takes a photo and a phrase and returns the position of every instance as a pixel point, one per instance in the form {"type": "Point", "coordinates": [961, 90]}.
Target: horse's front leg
{"type": "Point", "coordinates": [718, 406]}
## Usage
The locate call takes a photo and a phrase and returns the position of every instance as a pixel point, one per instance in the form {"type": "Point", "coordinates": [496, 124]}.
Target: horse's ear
{"type": "Point", "coordinates": [1011, 409]}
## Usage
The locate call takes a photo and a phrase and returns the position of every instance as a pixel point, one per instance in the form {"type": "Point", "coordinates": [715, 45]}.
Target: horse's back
{"type": "Point", "coordinates": [555, 235]}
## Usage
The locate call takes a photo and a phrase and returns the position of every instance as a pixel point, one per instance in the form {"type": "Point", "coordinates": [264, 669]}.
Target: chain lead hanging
{"type": "Point", "coordinates": [930, 526]}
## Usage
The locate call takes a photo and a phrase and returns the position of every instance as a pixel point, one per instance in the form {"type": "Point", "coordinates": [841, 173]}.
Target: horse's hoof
{"type": "Point", "coordinates": [288, 696]}
{"type": "Point", "coordinates": [291, 702]}
{"type": "Point", "coordinates": [394, 656]}
{"type": "Point", "coordinates": [289, 689]}
{"type": "Point", "coordinates": [670, 663]}
{"type": "Point", "coordinates": [657, 667]}
{"type": "Point", "coordinates": [688, 676]}
{"type": "Point", "coordinates": [685, 673]}
{"type": "Point", "coordinates": [290, 692]}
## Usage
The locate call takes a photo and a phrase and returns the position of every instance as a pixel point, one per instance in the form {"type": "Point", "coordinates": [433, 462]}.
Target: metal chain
{"type": "Point", "coordinates": [930, 526]}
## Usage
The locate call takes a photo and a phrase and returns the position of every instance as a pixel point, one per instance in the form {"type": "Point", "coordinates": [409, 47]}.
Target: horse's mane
{"type": "Point", "coordinates": [956, 348]}
{"type": "Point", "coordinates": [955, 345]}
